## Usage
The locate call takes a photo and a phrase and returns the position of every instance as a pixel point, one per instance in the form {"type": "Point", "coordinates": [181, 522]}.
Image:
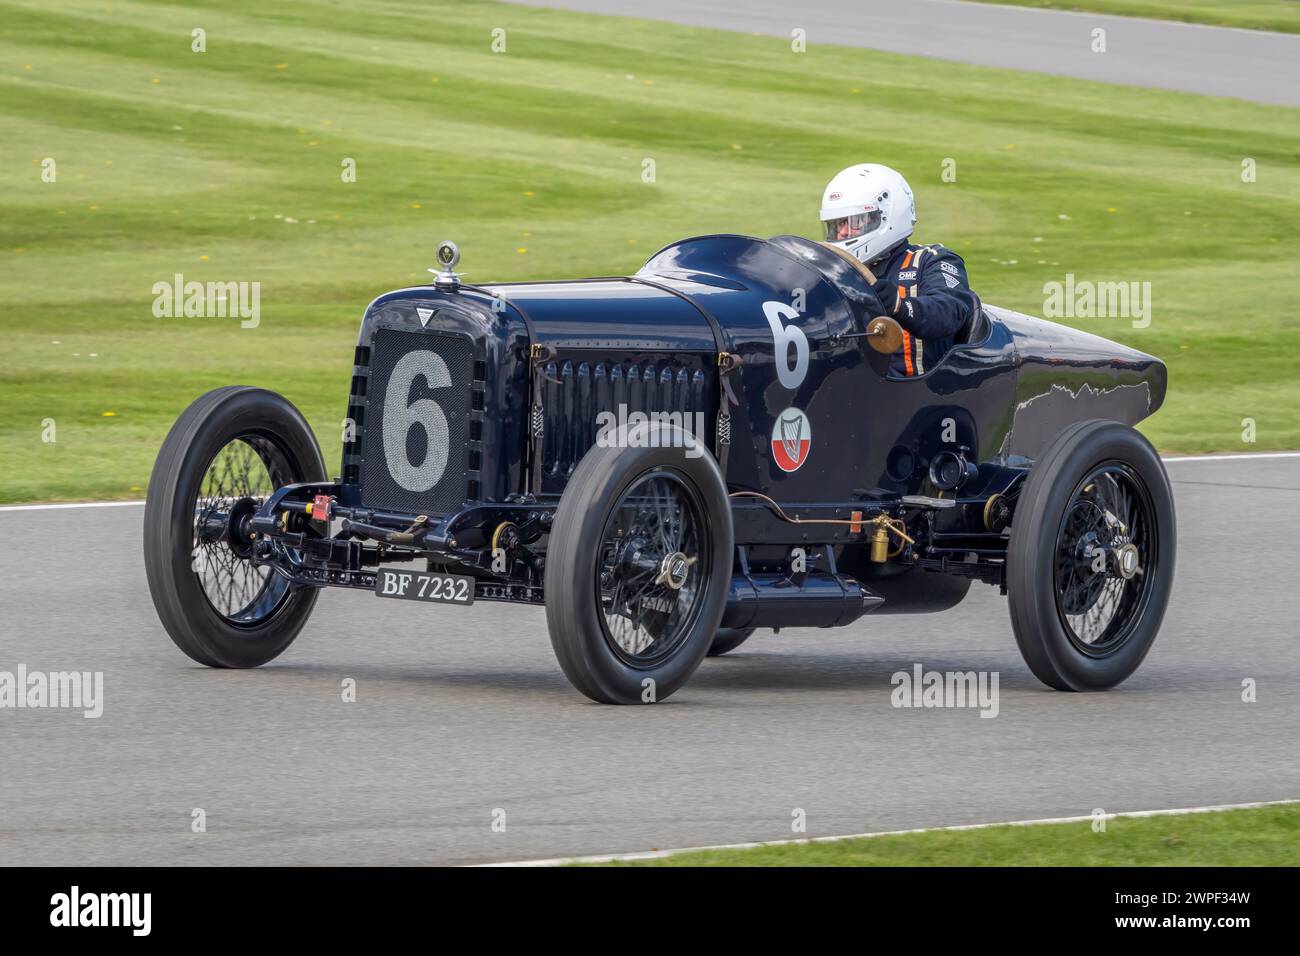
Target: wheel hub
{"type": "Point", "coordinates": [1125, 560]}
{"type": "Point", "coordinates": [674, 569]}
{"type": "Point", "coordinates": [237, 527]}
{"type": "Point", "coordinates": [1104, 543]}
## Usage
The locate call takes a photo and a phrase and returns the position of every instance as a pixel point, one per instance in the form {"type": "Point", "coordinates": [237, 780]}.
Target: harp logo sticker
{"type": "Point", "coordinates": [791, 439]}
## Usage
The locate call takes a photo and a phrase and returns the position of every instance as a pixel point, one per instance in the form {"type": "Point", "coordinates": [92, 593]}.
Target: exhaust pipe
{"type": "Point", "coordinates": [777, 600]}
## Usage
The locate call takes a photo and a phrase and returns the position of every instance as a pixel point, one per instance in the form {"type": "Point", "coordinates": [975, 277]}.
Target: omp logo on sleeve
{"type": "Point", "coordinates": [73, 909]}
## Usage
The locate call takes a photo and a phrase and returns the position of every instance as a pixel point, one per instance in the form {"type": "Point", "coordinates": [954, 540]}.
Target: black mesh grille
{"type": "Point", "coordinates": [426, 413]}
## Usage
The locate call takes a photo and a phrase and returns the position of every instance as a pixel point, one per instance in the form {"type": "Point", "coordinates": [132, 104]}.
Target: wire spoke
{"type": "Point", "coordinates": [239, 474]}
{"type": "Point", "coordinates": [657, 520]}
{"type": "Point", "coordinates": [1108, 514]}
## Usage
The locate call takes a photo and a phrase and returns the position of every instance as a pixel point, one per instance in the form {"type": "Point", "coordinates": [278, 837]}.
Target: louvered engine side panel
{"type": "Point", "coordinates": [577, 391]}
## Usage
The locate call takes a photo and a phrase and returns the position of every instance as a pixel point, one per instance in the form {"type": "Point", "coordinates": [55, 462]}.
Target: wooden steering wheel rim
{"type": "Point", "coordinates": [852, 260]}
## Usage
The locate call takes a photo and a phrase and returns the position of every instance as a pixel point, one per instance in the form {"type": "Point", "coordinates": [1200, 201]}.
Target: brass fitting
{"type": "Point", "coordinates": [880, 552]}
{"type": "Point", "coordinates": [880, 544]}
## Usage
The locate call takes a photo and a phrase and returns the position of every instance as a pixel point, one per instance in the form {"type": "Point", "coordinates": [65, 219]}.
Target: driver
{"type": "Point", "coordinates": [868, 211]}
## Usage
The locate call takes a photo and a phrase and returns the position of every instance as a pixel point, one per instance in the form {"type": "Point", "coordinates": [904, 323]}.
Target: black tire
{"type": "Point", "coordinates": [197, 467]}
{"type": "Point", "coordinates": [1084, 615]}
{"type": "Point", "coordinates": [587, 562]}
{"type": "Point", "coordinates": [728, 639]}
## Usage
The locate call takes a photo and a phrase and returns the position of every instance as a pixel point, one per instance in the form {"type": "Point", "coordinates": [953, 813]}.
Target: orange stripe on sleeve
{"type": "Point", "coordinates": [907, 354]}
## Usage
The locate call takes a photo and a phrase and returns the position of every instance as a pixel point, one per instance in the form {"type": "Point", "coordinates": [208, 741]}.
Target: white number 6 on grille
{"type": "Point", "coordinates": [400, 418]}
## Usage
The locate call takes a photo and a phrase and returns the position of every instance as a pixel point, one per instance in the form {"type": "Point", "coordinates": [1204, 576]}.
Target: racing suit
{"type": "Point", "coordinates": [927, 289]}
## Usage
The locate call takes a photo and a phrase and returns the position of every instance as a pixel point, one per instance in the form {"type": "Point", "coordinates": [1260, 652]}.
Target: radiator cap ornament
{"type": "Point", "coordinates": [448, 255]}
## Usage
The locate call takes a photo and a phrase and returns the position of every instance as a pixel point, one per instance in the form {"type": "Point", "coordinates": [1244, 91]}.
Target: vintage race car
{"type": "Point", "coordinates": [671, 460]}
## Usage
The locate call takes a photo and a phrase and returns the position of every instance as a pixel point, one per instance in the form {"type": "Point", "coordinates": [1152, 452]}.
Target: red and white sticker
{"type": "Point", "coordinates": [791, 439]}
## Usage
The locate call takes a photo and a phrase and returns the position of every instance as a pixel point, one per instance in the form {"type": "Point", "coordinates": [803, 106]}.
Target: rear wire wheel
{"type": "Point", "coordinates": [1106, 557]}
{"type": "Point", "coordinates": [1090, 562]}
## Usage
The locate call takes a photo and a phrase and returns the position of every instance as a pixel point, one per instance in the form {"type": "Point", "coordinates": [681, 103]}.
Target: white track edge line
{"type": "Point", "coordinates": [71, 504]}
{"type": "Point", "coordinates": [661, 854]}
{"type": "Point", "coordinates": [123, 504]}
{"type": "Point", "coordinates": [1244, 456]}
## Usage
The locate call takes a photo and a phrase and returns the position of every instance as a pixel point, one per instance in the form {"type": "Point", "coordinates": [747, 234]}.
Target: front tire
{"type": "Point", "coordinates": [229, 450]}
{"type": "Point", "coordinates": [637, 571]}
{"type": "Point", "coordinates": [1090, 563]}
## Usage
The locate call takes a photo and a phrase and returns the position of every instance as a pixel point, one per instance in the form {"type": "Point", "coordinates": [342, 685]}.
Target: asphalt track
{"type": "Point", "coordinates": [464, 711]}
{"type": "Point", "coordinates": [1215, 61]}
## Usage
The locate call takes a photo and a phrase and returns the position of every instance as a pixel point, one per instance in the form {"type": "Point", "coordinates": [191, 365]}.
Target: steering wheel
{"type": "Point", "coordinates": [852, 260]}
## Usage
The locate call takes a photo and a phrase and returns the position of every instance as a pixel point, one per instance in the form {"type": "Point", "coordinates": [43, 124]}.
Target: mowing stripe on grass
{"type": "Point", "coordinates": [661, 854]}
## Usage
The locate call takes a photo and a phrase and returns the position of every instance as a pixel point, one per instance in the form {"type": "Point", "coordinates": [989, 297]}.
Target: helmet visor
{"type": "Point", "coordinates": [852, 227]}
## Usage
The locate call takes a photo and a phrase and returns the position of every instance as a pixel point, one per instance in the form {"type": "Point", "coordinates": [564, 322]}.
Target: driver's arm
{"type": "Point", "coordinates": [940, 302]}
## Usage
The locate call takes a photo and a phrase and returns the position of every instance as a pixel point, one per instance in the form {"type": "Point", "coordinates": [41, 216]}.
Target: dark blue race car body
{"type": "Point", "coordinates": [754, 329]}
{"type": "Point", "coordinates": [670, 460]}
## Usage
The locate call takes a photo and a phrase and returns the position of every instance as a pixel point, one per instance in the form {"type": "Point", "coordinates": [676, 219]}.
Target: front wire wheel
{"type": "Point", "coordinates": [226, 453]}
{"type": "Point", "coordinates": [638, 565]}
{"type": "Point", "coordinates": [648, 577]}
{"type": "Point", "coordinates": [237, 481]}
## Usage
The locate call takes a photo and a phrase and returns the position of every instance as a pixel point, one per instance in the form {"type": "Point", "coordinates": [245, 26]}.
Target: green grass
{"type": "Point", "coordinates": [1280, 15]}
{"type": "Point", "coordinates": [173, 161]}
{"type": "Point", "coordinates": [1264, 836]}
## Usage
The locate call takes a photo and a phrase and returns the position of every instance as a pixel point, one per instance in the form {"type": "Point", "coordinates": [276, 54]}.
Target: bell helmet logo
{"type": "Point", "coordinates": [791, 439]}
{"type": "Point", "coordinates": [835, 196]}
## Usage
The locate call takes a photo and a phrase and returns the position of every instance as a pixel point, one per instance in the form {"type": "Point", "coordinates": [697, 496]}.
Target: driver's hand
{"type": "Point", "coordinates": [890, 300]}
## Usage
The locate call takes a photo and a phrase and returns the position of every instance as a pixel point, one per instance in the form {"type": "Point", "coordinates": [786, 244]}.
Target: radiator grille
{"type": "Point", "coordinates": [415, 435]}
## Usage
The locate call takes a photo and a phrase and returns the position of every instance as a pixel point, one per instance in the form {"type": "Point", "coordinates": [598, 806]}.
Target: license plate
{"type": "Point", "coordinates": [423, 586]}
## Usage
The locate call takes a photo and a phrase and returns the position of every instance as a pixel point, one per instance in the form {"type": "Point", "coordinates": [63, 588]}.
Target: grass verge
{"type": "Point", "coordinates": [229, 165]}
{"type": "Point", "coordinates": [1259, 836]}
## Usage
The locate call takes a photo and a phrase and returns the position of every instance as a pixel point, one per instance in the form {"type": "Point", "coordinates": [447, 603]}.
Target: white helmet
{"type": "Point", "coordinates": [868, 209]}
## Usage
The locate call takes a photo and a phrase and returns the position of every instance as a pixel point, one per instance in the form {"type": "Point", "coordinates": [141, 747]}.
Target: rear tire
{"type": "Point", "coordinates": [227, 451]}
{"type": "Point", "coordinates": [625, 515]}
{"type": "Point", "coordinates": [728, 639]}
{"type": "Point", "coordinates": [1090, 563]}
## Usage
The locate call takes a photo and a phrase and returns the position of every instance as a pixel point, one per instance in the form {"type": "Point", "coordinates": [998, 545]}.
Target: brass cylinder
{"type": "Point", "coordinates": [880, 544]}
